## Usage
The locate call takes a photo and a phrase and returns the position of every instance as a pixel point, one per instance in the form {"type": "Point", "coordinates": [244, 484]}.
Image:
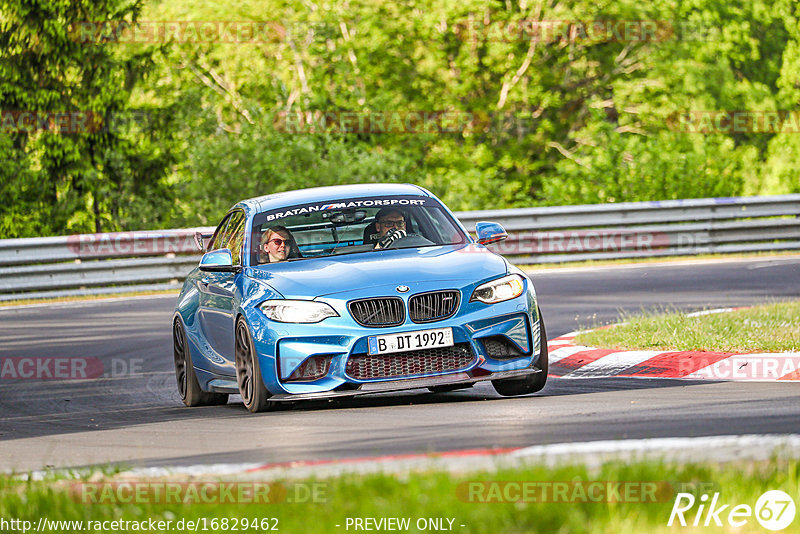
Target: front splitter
{"type": "Point", "coordinates": [404, 384]}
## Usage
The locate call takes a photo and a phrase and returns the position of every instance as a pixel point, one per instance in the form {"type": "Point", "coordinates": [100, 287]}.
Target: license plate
{"type": "Point", "coordinates": [419, 339]}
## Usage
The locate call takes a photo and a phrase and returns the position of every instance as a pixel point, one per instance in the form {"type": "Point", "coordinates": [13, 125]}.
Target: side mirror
{"type": "Point", "coordinates": [489, 232]}
{"type": "Point", "coordinates": [218, 261]}
{"type": "Point", "coordinates": [199, 240]}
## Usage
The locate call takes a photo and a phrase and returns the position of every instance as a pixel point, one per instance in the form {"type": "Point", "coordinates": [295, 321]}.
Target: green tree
{"type": "Point", "coordinates": [86, 175]}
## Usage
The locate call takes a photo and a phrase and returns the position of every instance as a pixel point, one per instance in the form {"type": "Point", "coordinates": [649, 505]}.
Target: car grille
{"type": "Point", "coordinates": [412, 363]}
{"type": "Point", "coordinates": [433, 306]}
{"type": "Point", "coordinates": [377, 312]}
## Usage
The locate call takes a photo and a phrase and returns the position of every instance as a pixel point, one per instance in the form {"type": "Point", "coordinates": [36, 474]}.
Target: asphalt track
{"type": "Point", "coordinates": [136, 418]}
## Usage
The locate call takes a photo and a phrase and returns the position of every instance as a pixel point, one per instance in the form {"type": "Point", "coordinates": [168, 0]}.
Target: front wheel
{"type": "Point", "coordinates": [248, 372]}
{"type": "Point", "coordinates": [188, 387]}
{"type": "Point", "coordinates": [511, 387]}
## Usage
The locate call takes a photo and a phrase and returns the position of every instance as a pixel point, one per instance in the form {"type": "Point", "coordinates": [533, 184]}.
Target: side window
{"type": "Point", "coordinates": [235, 237]}
{"type": "Point", "coordinates": [219, 234]}
{"type": "Point", "coordinates": [233, 223]}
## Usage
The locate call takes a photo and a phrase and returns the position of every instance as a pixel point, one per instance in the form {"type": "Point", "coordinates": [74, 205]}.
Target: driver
{"type": "Point", "coordinates": [391, 226]}
{"type": "Point", "coordinates": [276, 244]}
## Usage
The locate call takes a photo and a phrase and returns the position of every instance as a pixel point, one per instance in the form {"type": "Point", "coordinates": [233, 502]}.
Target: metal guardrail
{"type": "Point", "coordinates": [115, 262]}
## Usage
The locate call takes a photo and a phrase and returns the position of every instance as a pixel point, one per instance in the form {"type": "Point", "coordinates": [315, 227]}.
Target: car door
{"type": "Point", "coordinates": [216, 293]}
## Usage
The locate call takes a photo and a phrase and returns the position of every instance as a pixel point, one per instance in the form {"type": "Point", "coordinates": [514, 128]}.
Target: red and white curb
{"type": "Point", "coordinates": [568, 360]}
{"type": "Point", "coordinates": [753, 447]}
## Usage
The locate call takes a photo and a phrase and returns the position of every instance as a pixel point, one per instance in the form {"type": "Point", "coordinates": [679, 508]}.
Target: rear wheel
{"type": "Point", "coordinates": [248, 372]}
{"type": "Point", "coordinates": [188, 387]}
{"type": "Point", "coordinates": [511, 387]}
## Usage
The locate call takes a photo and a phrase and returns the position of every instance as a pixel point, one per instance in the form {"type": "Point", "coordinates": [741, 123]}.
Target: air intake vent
{"type": "Point", "coordinates": [499, 348]}
{"type": "Point", "coordinates": [433, 306]}
{"type": "Point", "coordinates": [413, 363]}
{"type": "Point", "coordinates": [378, 312]}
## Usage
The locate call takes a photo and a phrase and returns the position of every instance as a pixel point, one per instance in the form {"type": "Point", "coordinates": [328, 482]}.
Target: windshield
{"type": "Point", "coordinates": [350, 226]}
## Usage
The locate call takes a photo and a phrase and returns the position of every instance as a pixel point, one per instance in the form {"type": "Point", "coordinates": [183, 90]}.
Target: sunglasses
{"type": "Point", "coordinates": [278, 241]}
{"type": "Point", "coordinates": [390, 223]}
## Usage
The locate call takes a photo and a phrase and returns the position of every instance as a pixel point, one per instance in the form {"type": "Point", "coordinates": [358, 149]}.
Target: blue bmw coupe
{"type": "Point", "coordinates": [350, 290]}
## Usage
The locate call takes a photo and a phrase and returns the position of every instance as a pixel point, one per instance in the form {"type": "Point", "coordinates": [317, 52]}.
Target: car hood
{"type": "Point", "coordinates": [316, 277]}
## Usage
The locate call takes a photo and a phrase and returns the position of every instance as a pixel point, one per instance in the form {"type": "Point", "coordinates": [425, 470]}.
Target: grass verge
{"type": "Point", "coordinates": [767, 328]}
{"type": "Point", "coordinates": [481, 502]}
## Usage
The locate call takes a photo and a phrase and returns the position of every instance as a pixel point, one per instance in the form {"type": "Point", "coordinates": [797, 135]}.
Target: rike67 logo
{"type": "Point", "coordinates": [774, 510]}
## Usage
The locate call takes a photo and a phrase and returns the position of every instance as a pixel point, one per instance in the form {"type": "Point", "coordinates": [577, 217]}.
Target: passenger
{"type": "Point", "coordinates": [277, 244]}
{"type": "Point", "coordinates": [391, 225]}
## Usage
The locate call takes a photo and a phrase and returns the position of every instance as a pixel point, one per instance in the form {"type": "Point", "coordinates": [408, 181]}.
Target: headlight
{"type": "Point", "coordinates": [505, 288]}
{"type": "Point", "coordinates": [297, 311]}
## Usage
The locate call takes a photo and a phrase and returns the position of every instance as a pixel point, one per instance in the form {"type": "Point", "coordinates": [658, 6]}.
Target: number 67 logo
{"type": "Point", "coordinates": [775, 510]}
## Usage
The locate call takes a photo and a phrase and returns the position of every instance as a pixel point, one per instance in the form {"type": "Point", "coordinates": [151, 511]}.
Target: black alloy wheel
{"type": "Point", "coordinates": [188, 386]}
{"type": "Point", "coordinates": [248, 372]}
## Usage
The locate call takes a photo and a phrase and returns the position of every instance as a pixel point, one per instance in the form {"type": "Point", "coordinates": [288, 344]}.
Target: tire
{"type": "Point", "coordinates": [188, 387]}
{"type": "Point", "coordinates": [530, 384]}
{"type": "Point", "coordinates": [248, 371]}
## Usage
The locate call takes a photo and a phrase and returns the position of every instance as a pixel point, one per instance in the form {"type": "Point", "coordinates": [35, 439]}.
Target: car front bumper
{"type": "Point", "coordinates": [283, 347]}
